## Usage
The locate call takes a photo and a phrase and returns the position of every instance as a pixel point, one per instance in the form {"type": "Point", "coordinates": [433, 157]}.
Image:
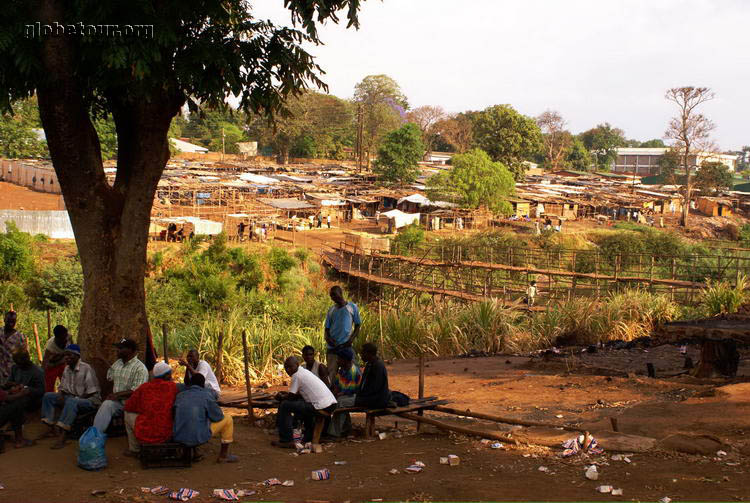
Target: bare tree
{"type": "Point", "coordinates": [690, 131]}
{"type": "Point", "coordinates": [426, 118]}
{"type": "Point", "coordinates": [556, 139]}
{"type": "Point", "coordinates": [458, 131]}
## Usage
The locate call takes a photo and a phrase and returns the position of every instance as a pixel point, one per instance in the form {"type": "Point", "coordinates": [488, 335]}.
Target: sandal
{"type": "Point", "coordinates": [231, 458]}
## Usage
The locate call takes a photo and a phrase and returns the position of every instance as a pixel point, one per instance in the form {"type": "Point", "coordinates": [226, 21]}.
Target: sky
{"type": "Point", "coordinates": [593, 61]}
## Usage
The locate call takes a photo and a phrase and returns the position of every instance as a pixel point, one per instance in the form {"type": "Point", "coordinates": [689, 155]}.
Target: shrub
{"type": "Point", "coordinates": [16, 254]}
{"type": "Point", "coordinates": [247, 269]}
{"type": "Point", "coordinates": [302, 254]}
{"type": "Point", "coordinates": [626, 245]}
{"type": "Point", "coordinates": [744, 235]}
{"type": "Point", "coordinates": [280, 260]}
{"type": "Point", "coordinates": [723, 298]}
{"type": "Point", "coordinates": [407, 239]}
{"type": "Point", "coordinates": [11, 293]}
{"type": "Point", "coordinates": [58, 285]}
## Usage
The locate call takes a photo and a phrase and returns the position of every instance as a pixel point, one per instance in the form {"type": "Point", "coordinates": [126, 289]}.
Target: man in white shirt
{"type": "Point", "coordinates": [307, 395]}
{"type": "Point", "coordinates": [194, 365]}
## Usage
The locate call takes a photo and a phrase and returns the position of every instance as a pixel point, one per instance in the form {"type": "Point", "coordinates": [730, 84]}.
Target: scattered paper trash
{"type": "Point", "coordinates": [617, 457]}
{"type": "Point", "coordinates": [243, 493]}
{"type": "Point", "coordinates": [616, 492]}
{"type": "Point", "coordinates": [592, 473]}
{"type": "Point", "coordinates": [183, 494]}
{"type": "Point", "coordinates": [382, 435]}
{"type": "Point", "coordinates": [418, 463]}
{"type": "Point", "coordinates": [2, 487]}
{"type": "Point", "coordinates": [559, 416]}
{"type": "Point", "coordinates": [98, 492]}
{"type": "Point", "coordinates": [665, 499]}
{"type": "Point", "coordinates": [721, 453]}
{"type": "Point", "coordinates": [453, 460]}
{"type": "Point", "coordinates": [157, 491]}
{"type": "Point", "coordinates": [393, 471]}
{"type": "Point", "coordinates": [486, 441]}
{"type": "Point", "coordinates": [413, 469]}
{"type": "Point", "coordinates": [527, 455]}
{"type": "Point", "coordinates": [271, 482]}
{"type": "Point", "coordinates": [444, 460]}
{"type": "Point", "coordinates": [226, 494]}
{"type": "Point", "coordinates": [339, 462]}
{"type": "Point", "coordinates": [604, 489]}
{"type": "Point", "coordinates": [581, 443]}
{"type": "Point", "coordinates": [543, 469]}
{"type": "Point", "coordinates": [287, 483]}
{"type": "Point", "coordinates": [497, 445]}
{"type": "Point", "coordinates": [323, 474]}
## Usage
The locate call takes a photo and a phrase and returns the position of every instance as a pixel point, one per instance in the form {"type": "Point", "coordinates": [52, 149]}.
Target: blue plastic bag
{"type": "Point", "coordinates": [91, 453]}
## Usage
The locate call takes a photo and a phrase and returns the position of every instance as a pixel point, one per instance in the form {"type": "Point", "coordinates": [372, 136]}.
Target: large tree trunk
{"type": "Point", "coordinates": [110, 223]}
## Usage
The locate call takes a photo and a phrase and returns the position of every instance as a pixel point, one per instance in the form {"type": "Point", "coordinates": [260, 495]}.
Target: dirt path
{"type": "Point", "coordinates": [15, 197]}
{"type": "Point", "coordinates": [520, 388]}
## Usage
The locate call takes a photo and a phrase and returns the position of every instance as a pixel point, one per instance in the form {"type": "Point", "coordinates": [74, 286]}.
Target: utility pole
{"type": "Point", "coordinates": [223, 147]}
{"type": "Point", "coordinates": [360, 131]}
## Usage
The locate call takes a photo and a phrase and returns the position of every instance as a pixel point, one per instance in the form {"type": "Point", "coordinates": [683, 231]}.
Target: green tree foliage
{"type": "Point", "coordinates": [16, 255]}
{"type": "Point", "coordinates": [58, 285]}
{"type": "Point", "coordinates": [318, 125]}
{"type": "Point", "coordinates": [669, 163]}
{"type": "Point", "coordinates": [507, 136]}
{"type": "Point", "coordinates": [17, 136]}
{"type": "Point", "coordinates": [578, 157]}
{"type": "Point", "coordinates": [713, 177]}
{"type": "Point", "coordinates": [603, 142]}
{"type": "Point", "coordinates": [399, 155]}
{"type": "Point", "coordinates": [655, 143]}
{"type": "Point", "coordinates": [407, 238]}
{"type": "Point", "coordinates": [473, 181]}
{"type": "Point", "coordinates": [105, 129]}
{"type": "Point", "coordinates": [380, 107]}
{"type": "Point", "coordinates": [205, 128]}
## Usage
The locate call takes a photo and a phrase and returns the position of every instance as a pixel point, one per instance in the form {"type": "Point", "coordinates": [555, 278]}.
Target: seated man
{"type": "Point", "coordinates": [197, 417]}
{"type": "Point", "coordinates": [307, 394]}
{"type": "Point", "coordinates": [126, 374]}
{"type": "Point", "coordinates": [11, 340]}
{"type": "Point", "coordinates": [314, 366]}
{"type": "Point", "coordinates": [345, 386]}
{"type": "Point", "coordinates": [22, 392]}
{"type": "Point", "coordinates": [148, 411]}
{"type": "Point", "coordinates": [373, 390]}
{"type": "Point", "coordinates": [194, 365]}
{"type": "Point", "coordinates": [53, 361]}
{"type": "Point", "coordinates": [78, 392]}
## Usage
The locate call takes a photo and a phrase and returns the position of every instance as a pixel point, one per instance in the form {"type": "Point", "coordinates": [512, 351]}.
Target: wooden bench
{"type": "Point", "coordinates": [167, 455]}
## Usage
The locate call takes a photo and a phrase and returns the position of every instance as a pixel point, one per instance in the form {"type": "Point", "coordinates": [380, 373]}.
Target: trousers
{"type": "Point", "coordinates": [70, 409]}
{"type": "Point", "coordinates": [108, 410]}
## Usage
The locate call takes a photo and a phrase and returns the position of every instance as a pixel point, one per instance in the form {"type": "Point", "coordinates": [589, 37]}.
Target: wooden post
{"type": "Point", "coordinates": [219, 358]}
{"type": "Point", "coordinates": [380, 326]}
{"type": "Point", "coordinates": [38, 346]}
{"type": "Point", "coordinates": [421, 383]}
{"type": "Point", "coordinates": [250, 412]}
{"type": "Point", "coordinates": [613, 422]}
{"type": "Point", "coordinates": [49, 324]}
{"type": "Point", "coordinates": [164, 342]}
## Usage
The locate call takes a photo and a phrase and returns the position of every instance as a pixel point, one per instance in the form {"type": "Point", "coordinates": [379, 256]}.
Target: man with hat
{"type": "Point", "coordinates": [126, 374]}
{"type": "Point", "coordinates": [78, 392]}
{"type": "Point", "coordinates": [148, 411]}
{"type": "Point", "coordinates": [344, 386]}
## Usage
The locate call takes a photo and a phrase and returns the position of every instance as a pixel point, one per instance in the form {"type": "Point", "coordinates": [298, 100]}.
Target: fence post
{"type": "Point", "coordinates": [250, 412]}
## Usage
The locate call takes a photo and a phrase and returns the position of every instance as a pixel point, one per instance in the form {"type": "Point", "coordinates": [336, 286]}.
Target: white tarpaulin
{"type": "Point", "coordinates": [401, 219]}
{"type": "Point", "coordinates": [423, 201]}
{"type": "Point", "coordinates": [252, 178]}
{"type": "Point", "coordinates": [55, 224]}
{"type": "Point", "coordinates": [201, 226]}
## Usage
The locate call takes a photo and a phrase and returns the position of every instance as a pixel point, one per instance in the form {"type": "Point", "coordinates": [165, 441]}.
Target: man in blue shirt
{"type": "Point", "coordinates": [197, 417]}
{"type": "Point", "coordinates": [342, 326]}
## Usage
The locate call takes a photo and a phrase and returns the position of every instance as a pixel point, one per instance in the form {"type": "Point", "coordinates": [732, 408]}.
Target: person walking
{"type": "Point", "coordinates": [341, 328]}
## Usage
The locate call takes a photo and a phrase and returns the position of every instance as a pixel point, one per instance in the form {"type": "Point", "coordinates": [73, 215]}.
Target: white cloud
{"type": "Point", "coordinates": [593, 60]}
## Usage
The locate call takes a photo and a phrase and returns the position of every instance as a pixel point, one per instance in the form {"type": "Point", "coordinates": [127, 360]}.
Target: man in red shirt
{"type": "Point", "coordinates": [149, 411]}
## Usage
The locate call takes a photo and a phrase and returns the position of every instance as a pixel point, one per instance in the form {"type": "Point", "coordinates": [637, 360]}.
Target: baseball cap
{"type": "Point", "coordinates": [126, 343]}
{"type": "Point", "coordinates": [161, 369]}
{"type": "Point", "coordinates": [73, 348]}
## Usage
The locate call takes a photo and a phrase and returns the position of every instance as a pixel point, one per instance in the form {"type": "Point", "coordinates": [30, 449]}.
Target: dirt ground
{"type": "Point", "coordinates": [585, 390]}
{"type": "Point", "coordinates": [15, 197]}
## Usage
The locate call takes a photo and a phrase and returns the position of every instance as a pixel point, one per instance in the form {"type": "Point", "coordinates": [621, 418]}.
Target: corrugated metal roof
{"type": "Point", "coordinates": [286, 204]}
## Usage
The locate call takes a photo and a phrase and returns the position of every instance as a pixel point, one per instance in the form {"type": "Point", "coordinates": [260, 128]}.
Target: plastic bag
{"type": "Point", "coordinates": [91, 453]}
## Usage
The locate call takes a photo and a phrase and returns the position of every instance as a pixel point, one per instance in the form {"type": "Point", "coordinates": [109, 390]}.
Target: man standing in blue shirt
{"type": "Point", "coordinates": [342, 326]}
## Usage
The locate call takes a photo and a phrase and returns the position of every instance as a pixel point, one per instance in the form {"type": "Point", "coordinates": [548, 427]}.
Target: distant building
{"type": "Point", "coordinates": [188, 148]}
{"type": "Point", "coordinates": [248, 148]}
{"type": "Point", "coordinates": [438, 157]}
{"type": "Point", "coordinates": [645, 161]}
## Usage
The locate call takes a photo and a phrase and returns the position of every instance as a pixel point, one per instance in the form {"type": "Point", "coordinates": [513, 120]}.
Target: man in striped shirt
{"type": "Point", "coordinates": [345, 386]}
{"type": "Point", "coordinates": [126, 374]}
